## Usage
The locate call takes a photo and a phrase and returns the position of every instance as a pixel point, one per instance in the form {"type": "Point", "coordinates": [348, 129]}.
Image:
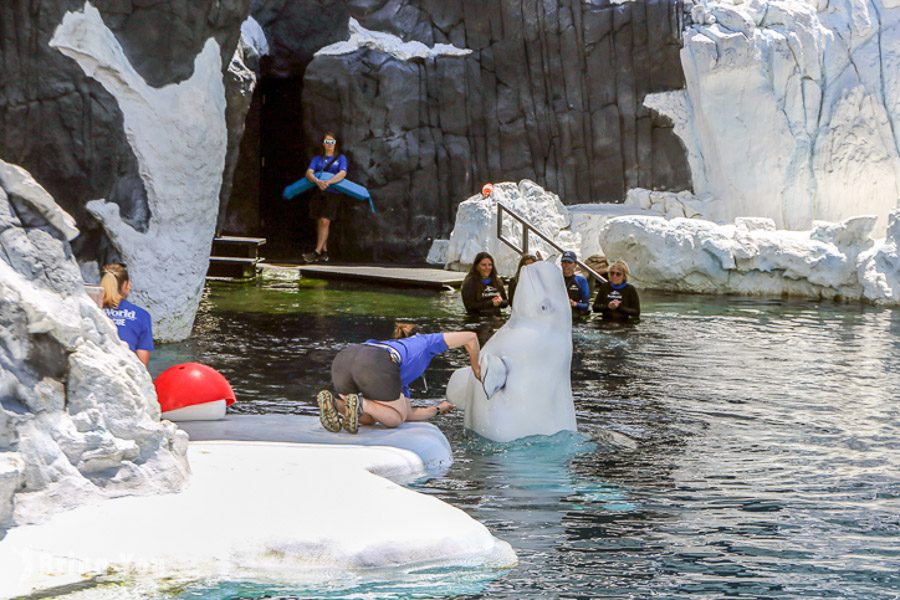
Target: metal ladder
{"type": "Point", "coordinates": [527, 229]}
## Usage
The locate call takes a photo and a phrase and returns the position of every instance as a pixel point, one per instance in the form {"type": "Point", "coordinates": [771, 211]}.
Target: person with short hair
{"type": "Point", "coordinates": [483, 292]}
{"type": "Point", "coordinates": [133, 323]}
{"type": "Point", "coordinates": [324, 205]}
{"type": "Point", "coordinates": [527, 259]}
{"type": "Point", "coordinates": [372, 379]}
{"type": "Point", "coordinates": [617, 300]}
{"type": "Point", "coordinates": [576, 286]}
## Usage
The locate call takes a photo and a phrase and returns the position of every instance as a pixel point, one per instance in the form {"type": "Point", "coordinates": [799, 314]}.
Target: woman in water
{"type": "Point", "coordinates": [323, 206]}
{"type": "Point", "coordinates": [617, 300]}
{"type": "Point", "coordinates": [133, 322]}
{"type": "Point", "coordinates": [372, 379]}
{"type": "Point", "coordinates": [526, 260]}
{"type": "Point", "coordinates": [482, 290]}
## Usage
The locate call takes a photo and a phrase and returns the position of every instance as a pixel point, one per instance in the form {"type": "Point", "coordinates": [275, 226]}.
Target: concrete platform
{"type": "Point", "coordinates": [420, 277]}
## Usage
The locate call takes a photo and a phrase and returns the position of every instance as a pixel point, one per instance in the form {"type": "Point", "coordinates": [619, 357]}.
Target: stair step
{"type": "Point", "coordinates": [238, 260]}
{"type": "Point", "coordinates": [232, 266]}
{"type": "Point", "coordinates": [230, 245]}
{"type": "Point", "coordinates": [234, 239]}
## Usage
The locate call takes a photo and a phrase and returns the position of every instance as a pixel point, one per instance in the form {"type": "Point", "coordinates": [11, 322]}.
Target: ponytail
{"type": "Point", "coordinates": [115, 276]}
{"type": "Point", "coordinates": [404, 330]}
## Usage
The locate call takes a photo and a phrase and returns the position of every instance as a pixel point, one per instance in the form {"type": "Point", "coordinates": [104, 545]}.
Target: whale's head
{"type": "Point", "coordinates": [541, 296]}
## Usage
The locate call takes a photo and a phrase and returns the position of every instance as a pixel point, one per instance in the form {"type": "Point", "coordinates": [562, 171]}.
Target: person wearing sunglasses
{"type": "Point", "coordinates": [617, 300]}
{"type": "Point", "coordinates": [323, 206]}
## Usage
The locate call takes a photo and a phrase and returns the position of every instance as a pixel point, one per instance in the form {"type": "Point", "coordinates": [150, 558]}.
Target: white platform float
{"type": "Point", "coordinates": [424, 440]}
{"type": "Point", "coordinates": [277, 509]}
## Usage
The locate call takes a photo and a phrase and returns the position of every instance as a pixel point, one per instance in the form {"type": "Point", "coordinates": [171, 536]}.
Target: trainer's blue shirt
{"type": "Point", "coordinates": [134, 325]}
{"type": "Point", "coordinates": [318, 163]}
{"type": "Point", "coordinates": [416, 353]}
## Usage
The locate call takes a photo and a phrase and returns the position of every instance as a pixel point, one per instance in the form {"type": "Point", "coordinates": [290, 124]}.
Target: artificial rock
{"type": "Point", "coordinates": [79, 418]}
{"type": "Point", "coordinates": [791, 108]}
{"type": "Point", "coordinates": [840, 261]}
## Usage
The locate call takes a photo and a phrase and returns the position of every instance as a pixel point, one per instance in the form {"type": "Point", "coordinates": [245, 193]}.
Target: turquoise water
{"type": "Point", "coordinates": [727, 447]}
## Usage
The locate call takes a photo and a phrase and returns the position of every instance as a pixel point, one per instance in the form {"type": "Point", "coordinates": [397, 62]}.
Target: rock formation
{"type": "Point", "coordinates": [71, 132]}
{"type": "Point", "coordinates": [832, 260]}
{"type": "Point", "coordinates": [78, 413]}
{"type": "Point", "coordinates": [476, 226]}
{"type": "Point", "coordinates": [791, 109]}
{"type": "Point", "coordinates": [510, 90]}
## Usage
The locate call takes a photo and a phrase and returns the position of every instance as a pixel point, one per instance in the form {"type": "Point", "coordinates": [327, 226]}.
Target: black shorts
{"type": "Point", "coordinates": [366, 370]}
{"type": "Point", "coordinates": [324, 204]}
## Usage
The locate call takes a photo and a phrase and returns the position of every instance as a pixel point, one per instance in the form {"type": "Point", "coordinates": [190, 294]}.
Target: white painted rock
{"type": "Point", "coordinates": [475, 229]}
{"type": "Point", "coordinates": [178, 135]}
{"type": "Point", "coordinates": [79, 418]}
{"type": "Point", "coordinates": [833, 260]}
{"type": "Point", "coordinates": [791, 109]}
{"type": "Point", "coordinates": [525, 366]}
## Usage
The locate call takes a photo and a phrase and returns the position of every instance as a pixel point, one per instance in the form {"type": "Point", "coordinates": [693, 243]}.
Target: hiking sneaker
{"type": "Point", "coordinates": [310, 257]}
{"type": "Point", "coordinates": [351, 415]}
{"type": "Point", "coordinates": [323, 257]}
{"type": "Point", "coordinates": [328, 413]}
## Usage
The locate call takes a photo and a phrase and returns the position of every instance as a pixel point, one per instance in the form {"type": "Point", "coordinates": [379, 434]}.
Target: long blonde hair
{"type": "Point", "coordinates": [114, 278]}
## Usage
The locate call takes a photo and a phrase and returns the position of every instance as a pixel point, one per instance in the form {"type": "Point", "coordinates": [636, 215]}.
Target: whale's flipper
{"type": "Point", "coordinates": [458, 388]}
{"type": "Point", "coordinates": [493, 374]}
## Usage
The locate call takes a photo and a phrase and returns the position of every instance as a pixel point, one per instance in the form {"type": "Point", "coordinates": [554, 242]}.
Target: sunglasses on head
{"type": "Point", "coordinates": [329, 142]}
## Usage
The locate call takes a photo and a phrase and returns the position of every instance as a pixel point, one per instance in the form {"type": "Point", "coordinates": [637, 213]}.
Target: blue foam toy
{"type": "Point", "coordinates": [346, 187]}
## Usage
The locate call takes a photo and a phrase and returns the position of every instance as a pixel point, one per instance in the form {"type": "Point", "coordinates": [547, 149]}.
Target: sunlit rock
{"type": "Point", "coordinates": [832, 260]}
{"type": "Point", "coordinates": [79, 418]}
{"type": "Point", "coordinates": [791, 109]}
{"type": "Point", "coordinates": [525, 388]}
{"type": "Point", "coordinates": [178, 134]}
{"type": "Point", "coordinates": [304, 517]}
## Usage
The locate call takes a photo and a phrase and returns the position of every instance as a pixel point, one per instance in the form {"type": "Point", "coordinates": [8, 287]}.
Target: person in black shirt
{"type": "Point", "coordinates": [617, 300]}
{"type": "Point", "coordinates": [482, 290]}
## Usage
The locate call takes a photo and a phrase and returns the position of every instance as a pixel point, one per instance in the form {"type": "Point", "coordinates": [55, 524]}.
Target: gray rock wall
{"type": "Point", "coordinates": [552, 91]}
{"type": "Point", "coordinates": [64, 127]}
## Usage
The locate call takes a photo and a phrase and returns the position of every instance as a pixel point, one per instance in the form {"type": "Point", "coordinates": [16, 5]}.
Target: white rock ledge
{"type": "Point", "coordinates": [265, 511]}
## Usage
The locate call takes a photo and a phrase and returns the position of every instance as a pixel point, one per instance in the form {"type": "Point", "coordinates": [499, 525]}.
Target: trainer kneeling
{"type": "Point", "coordinates": [372, 379]}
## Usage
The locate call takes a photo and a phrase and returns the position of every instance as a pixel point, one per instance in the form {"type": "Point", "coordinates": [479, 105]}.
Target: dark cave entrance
{"type": "Point", "coordinates": [272, 156]}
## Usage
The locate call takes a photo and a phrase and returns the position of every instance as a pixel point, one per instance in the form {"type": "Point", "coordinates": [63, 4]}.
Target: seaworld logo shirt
{"type": "Point", "coordinates": [134, 325]}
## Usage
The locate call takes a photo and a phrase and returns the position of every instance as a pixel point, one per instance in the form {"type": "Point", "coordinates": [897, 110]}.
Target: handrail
{"type": "Point", "coordinates": [527, 228]}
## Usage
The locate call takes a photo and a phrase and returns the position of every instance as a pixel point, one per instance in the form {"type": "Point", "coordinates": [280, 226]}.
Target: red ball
{"type": "Point", "coordinates": [189, 384]}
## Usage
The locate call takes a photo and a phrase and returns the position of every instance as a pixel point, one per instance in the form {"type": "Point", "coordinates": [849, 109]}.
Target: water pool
{"type": "Point", "coordinates": [728, 447]}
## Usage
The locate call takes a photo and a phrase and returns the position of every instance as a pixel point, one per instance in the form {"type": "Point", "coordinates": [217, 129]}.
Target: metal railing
{"type": "Point", "coordinates": [528, 228]}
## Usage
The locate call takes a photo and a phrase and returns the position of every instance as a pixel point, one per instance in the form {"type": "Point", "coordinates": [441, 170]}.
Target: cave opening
{"type": "Point", "coordinates": [272, 155]}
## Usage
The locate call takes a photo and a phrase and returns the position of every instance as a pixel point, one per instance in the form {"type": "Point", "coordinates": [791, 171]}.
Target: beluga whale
{"type": "Point", "coordinates": [525, 367]}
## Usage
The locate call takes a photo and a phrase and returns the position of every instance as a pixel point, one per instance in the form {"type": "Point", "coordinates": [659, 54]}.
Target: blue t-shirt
{"type": "Point", "coordinates": [416, 353]}
{"type": "Point", "coordinates": [318, 163]}
{"type": "Point", "coordinates": [134, 325]}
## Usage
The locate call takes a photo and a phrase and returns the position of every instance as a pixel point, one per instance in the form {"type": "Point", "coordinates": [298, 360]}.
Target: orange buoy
{"type": "Point", "coordinates": [487, 190]}
{"type": "Point", "coordinates": [190, 384]}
